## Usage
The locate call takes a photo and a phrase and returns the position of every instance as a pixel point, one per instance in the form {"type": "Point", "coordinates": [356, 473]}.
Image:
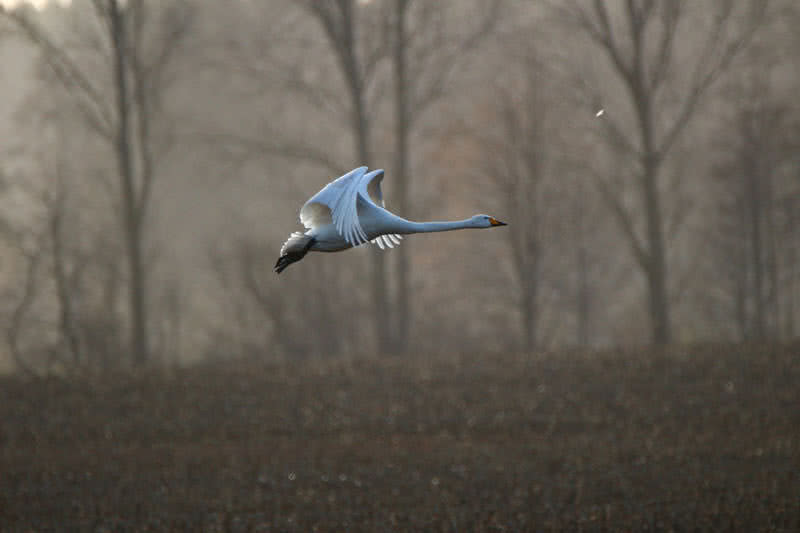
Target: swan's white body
{"type": "Point", "coordinates": [350, 211]}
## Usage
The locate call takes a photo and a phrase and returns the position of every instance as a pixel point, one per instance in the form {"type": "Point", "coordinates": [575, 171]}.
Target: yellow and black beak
{"type": "Point", "coordinates": [494, 222]}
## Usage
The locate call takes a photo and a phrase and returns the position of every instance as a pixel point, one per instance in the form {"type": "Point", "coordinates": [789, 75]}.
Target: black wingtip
{"type": "Point", "coordinates": [281, 264]}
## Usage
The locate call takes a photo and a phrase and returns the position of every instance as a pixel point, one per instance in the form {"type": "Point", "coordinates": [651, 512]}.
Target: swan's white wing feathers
{"type": "Point", "coordinates": [345, 215]}
{"type": "Point", "coordinates": [390, 240]}
{"type": "Point", "coordinates": [372, 191]}
{"type": "Point", "coordinates": [336, 203]}
{"type": "Point", "coordinates": [314, 214]}
{"type": "Point", "coordinates": [372, 187]}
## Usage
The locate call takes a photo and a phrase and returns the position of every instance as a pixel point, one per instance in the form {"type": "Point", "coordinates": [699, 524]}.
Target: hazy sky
{"type": "Point", "coordinates": [36, 3]}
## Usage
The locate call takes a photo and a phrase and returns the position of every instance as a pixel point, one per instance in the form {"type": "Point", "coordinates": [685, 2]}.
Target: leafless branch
{"type": "Point", "coordinates": [714, 59]}
{"type": "Point", "coordinates": [436, 59]}
{"type": "Point", "coordinates": [293, 150]}
{"type": "Point", "coordinates": [88, 98]}
{"type": "Point", "coordinates": [20, 310]}
{"type": "Point", "coordinates": [670, 16]}
{"type": "Point", "coordinates": [625, 221]}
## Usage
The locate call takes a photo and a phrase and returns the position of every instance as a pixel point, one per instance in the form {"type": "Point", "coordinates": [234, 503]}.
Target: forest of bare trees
{"type": "Point", "coordinates": [645, 154]}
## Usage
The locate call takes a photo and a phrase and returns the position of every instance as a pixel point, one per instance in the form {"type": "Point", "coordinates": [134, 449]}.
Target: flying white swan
{"type": "Point", "coordinates": [349, 212]}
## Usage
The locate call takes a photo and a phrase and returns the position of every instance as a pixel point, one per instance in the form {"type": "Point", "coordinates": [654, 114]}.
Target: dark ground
{"type": "Point", "coordinates": [697, 438]}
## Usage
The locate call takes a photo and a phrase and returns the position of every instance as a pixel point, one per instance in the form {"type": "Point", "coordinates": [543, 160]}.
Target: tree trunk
{"type": "Point", "coordinates": [583, 302]}
{"type": "Point", "coordinates": [582, 297]}
{"type": "Point", "coordinates": [772, 320]}
{"type": "Point", "coordinates": [403, 304]}
{"type": "Point", "coordinates": [331, 340]}
{"type": "Point", "coordinates": [791, 272]}
{"type": "Point", "coordinates": [791, 290]}
{"type": "Point", "coordinates": [741, 274]}
{"type": "Point", "coordinates": [656, 270]}
{"type": "Point", "coordinates": [529, 315]}
{"type": "Point", "coordinates": [380, 306]}
{"type": "Point", "coordinates": [758, 326]}
{"type": "Point", "coordinates": [643, 59]}
{"type": "Point", "coordinates": [345, 42]}
{"type": "Point", "coordinates": [66, 316]}
{"type": "Point", "coordinates": [339, 24]}
{"type": "Point", "coordinates": [130, 217]}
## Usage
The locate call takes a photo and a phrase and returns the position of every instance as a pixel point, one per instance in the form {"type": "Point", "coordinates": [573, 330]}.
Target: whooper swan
{"type": "Point", "coordinates": [349, 212]}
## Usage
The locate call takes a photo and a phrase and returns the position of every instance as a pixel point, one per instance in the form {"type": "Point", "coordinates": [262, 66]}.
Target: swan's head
{"type": "Point", "coordinates": [485, 221]}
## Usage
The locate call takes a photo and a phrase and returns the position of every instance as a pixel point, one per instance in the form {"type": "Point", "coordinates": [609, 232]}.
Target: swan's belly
{"type": "Point", "coordinates": [327, 239]}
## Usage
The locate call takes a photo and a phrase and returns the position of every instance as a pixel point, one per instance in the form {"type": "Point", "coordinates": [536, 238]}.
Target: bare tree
{"type": "Point", "coordinates": [364, 41]}
{"type": "Point", "coordinates": [15, 325]}
{"type": "Point", "coordinates": [641, 39]}
{"type": "Point", "coordinates": [583, 292]}
{"type": "Point", "coordinates": [120, 113]}
{"type": "Point", "coordinates": [402, 131]}
{"type": "Point", "coordinates": [424, 54]}
{"type": "Point", "coordinates": [358, 60]}
{"type": "Point", "coordinates": [60, 302]}
{"type": "Point", "coordinates": [516, 161]}
{"type": "Point", "coordinates": [65, 277]}
{"type": "Point", "coordinates": [267, 319]}
{"type": "Point", "coordinates": [757, 200]}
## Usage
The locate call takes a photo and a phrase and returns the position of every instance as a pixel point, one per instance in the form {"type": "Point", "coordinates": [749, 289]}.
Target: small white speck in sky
{"type": "Point", "coordinates": [600, 113]}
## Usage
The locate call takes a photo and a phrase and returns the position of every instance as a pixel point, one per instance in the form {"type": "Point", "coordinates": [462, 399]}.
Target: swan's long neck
{"type": "Point", "coordinates": [430, 227]}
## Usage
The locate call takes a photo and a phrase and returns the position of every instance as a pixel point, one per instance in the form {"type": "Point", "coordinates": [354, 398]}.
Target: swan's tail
{"type": "Point", "coordinates": [293, 250]}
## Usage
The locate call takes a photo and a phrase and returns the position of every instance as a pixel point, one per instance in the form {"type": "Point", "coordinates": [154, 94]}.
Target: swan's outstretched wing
{"type": "Point", "coordinates": [337, 203]}
{"type": "Point", "coordinates": [370, 187]}
{"type": "Point", "coordinates": [371, 191]}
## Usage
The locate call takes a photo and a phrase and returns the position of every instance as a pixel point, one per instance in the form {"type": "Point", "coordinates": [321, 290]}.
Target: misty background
{"type": "Point", "coordinates": [154, 156]}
